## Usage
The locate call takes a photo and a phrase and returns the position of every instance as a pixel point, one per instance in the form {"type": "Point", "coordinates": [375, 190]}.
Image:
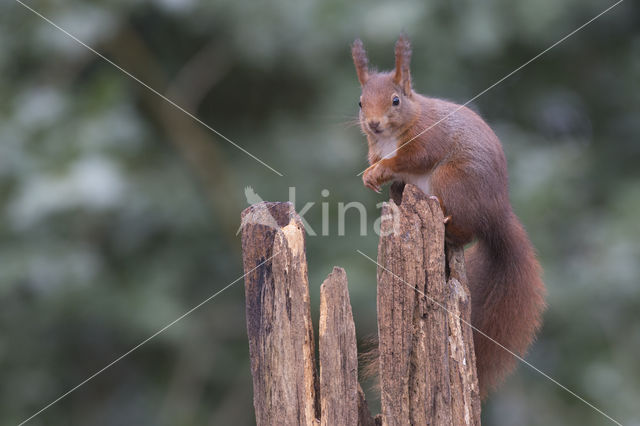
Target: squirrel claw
{"type": "Point", "coordinates": [447, 219]}
{"type": "Point", "coordinates": [370, 181]}
{"type": "Point", "coordinates": [372, 186]}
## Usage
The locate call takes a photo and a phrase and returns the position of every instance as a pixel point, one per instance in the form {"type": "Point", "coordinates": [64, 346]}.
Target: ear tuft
{"type": "Point", "coordinates": [402, 75]}
{"type": "Point", "coordinates": [360, 60]}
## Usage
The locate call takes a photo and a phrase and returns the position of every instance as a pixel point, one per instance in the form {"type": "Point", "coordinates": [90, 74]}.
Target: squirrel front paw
{"type": "Point", "coordinates": [375, 176]}
{"type": "Point", "coordinates": [370, 178]}
{"type": "Point", "coordinates": [370, 182]}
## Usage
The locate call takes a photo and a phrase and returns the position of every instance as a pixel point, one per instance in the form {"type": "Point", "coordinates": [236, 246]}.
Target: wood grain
{"type": "Point", "coordinates": [427, 365]}
{"type": "Point", "coordinates": [338, 353]}
{"type": "Point", "coordinates": [279, 326]}
{"type": "Point", "coordinates": [426, 356]}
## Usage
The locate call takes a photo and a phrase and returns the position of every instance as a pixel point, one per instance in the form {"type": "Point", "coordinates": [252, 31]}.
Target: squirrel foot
{"type": "Point", "coordinates": [447, 219]}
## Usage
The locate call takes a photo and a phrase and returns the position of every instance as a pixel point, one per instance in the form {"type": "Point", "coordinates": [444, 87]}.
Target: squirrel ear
{"type": "Point", "coordinates": [403, 60]}
{"type": "Point", "coordinates": [360, 60]}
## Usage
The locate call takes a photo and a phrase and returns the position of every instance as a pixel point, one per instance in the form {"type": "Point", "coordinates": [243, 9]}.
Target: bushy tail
{"type": "Point", "coordinates": [507, 296]}
{"type": "Point", "coordinates": [369, 363]}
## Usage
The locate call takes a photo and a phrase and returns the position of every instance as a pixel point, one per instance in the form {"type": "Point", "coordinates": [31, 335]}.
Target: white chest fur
{"type": "Point", "coordinates": [421, 181]}
{"type": "Point", "coordinates": [385, 147]}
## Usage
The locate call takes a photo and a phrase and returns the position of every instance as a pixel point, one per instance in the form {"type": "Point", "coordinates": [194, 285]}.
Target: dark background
{"type": "Point", "coordinates": [118, 212]}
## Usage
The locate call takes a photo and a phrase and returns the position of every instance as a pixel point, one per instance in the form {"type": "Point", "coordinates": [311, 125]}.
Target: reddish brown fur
{"type": "Point", "coordinates": [360, 60]}
{"type": "Point", "coordinates": [402, 76]}
{"type": "Point", "coordinates": [468, 173]}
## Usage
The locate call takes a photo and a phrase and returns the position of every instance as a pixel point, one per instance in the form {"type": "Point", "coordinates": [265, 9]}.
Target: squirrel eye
{"type": "Point", "coordinates": [396, 101]}
{"type": "Point", "coordinates": [360, 104]}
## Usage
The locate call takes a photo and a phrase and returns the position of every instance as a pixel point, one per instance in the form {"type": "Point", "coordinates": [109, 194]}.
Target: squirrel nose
{"type": "Point", "coordinates": [374, 125]}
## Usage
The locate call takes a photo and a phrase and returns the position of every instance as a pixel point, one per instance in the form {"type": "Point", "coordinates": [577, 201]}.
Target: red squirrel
{"type": "Point", "coordinates": [448, 151]}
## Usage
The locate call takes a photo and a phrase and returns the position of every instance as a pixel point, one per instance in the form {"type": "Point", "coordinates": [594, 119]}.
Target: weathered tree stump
{"type": "Point", "coordinates": [427, 364]}
{"type": "Point", "coordinates": [278, 316]}
{"type": "Point", "coordinates": [338, 353]}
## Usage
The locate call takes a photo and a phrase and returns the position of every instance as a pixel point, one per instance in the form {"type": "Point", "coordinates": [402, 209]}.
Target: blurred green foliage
{"type": "Point", "coordinates": [118, 212]}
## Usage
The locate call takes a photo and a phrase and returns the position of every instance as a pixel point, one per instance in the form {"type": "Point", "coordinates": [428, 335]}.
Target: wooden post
{"type": "Point", "coordinates": [427, 364]}
{"type": "Point", "coordinates": [278, 316]}
{"type": "Point", "coordinates": [341, 397]}
{"type": "Point", "coordinates": [338, 353]}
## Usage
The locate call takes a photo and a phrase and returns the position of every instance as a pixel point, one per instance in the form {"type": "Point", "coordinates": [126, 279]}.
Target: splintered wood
{"type": "Point", "coordinates": [427, 363]}
{"type": "Point", "coordinates": [278, 316]}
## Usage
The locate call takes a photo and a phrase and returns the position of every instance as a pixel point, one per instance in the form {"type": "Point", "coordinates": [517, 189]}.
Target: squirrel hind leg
{"type": "Point", "coordinates": [455, 234]}
{"type": "Point", "coordinates": [461, 202]}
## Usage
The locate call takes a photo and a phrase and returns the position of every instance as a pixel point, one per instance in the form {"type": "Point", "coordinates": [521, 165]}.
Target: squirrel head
{"type": "Point", "coordinates": [387, 104]}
